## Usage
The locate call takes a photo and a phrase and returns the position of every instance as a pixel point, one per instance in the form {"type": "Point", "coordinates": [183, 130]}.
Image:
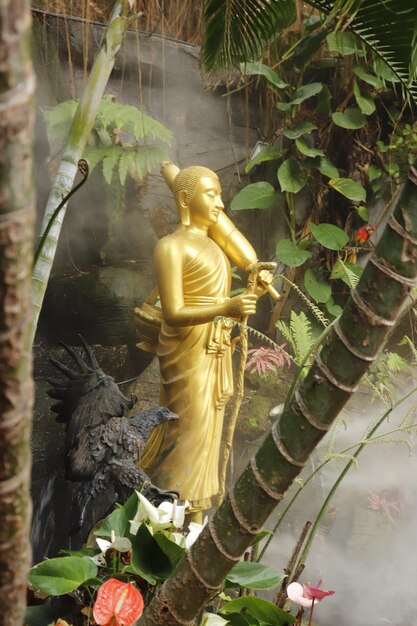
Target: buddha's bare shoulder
{"type": "Point", "coordinates": [180, 240]}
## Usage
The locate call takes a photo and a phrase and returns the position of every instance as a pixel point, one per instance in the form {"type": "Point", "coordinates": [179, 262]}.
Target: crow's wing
{"type": "Point", "coordinates": [86, 396]}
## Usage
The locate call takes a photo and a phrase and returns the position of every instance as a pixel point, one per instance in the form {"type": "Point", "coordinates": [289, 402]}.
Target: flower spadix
{"type": "Point", "coordinates": [166, 515]}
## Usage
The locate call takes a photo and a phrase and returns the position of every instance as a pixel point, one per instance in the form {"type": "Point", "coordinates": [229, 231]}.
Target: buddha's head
{"type": "Point", "coordinates": [197, 193]}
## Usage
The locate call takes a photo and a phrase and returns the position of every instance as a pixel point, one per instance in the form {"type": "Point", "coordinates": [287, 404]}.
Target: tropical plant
{"type": "Point", "coordinates": [235, 31]}
{"type": "Point", "coordinates": [137, 547]}
{"type": "Point", "coordinates": [17, 210]}
{"type": "Point", "coordinates": [124, 141]}
{"type": "Point", "coordinates": [81, 127]}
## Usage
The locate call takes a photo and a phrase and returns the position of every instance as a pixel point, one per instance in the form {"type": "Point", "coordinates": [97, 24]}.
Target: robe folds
{"type": "Point", "coordinates": [196, 383]}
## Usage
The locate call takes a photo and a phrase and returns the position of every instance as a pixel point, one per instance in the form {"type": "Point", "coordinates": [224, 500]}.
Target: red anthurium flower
{"type": "Point", "coordinates": [117, 604]}
{"type": "Point", "coordinates": [315, 593]}
{"type": "Point", "coordinates": [362, 235]}
{"type": "Point", "coordinates": [305, 596]}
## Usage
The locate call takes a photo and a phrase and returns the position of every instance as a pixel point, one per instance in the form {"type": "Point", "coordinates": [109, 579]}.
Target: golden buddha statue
{"type": "Point", "coordinates": [194, 352]}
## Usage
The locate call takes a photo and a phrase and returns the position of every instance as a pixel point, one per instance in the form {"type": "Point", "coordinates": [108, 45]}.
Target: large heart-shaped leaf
{"type": "Point", "coordinates": [254, 196]}
{"type": "Point", "coordinates": [55, 577]}
{"type": "Point", "coordinates": [365, 103]}
{"type": "Point", "coordinates": [271, 153]}
{"type": "Point", "coordinates": [319, 290]}
{"type": "Point", "coordinates": [351, 119]}
{"type": "Point", "coordinates": [253, 576]}
{"type": "Point", "coordinates": [303, 128]}
{"type": "Point", "coordinates": [307, 150]}
{"type": "Point", "coordinates": [329, 235]}
{"type": "Point", "coordinates": [259, 69]}
{"type": "Point", "coordinates": [148, 558]}
{"type": "Point", "coordinates": [291, 177]}
{"type": "Point", "coordinates": [288, 253]}
{"type": "Point", "coordinates": [349, 188]}
{"type": "Point", "coordinates": [302, 93]}
{"type": "Point", "coordinates": [262, 610]}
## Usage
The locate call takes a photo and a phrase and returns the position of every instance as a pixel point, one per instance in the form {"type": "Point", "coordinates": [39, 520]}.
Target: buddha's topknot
{"type": "Point", "coordinates": [187, 179]}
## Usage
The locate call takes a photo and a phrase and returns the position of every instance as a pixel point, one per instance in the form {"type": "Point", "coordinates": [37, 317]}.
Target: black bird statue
{"type": "Point", "coordinates": [103, 448]}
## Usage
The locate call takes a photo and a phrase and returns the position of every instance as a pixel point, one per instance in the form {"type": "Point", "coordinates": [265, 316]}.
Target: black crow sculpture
{"type": "Point", "coordinates": [103, 446]}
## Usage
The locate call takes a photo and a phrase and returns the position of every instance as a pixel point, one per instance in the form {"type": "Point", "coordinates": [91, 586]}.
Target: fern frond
{"type": "Point", "coordinates": [333, 437]}
{"type": "Point", "coordinates": [60, 117]}
{"type": "Point", "coordinates": [302, 336]}
{"type": "Point", "coordinates": [385, 439]}
{"type": "Point", "coordinates": [408, 422]}
{"type": "Point", "coordinates": [126, 163]}
{"type": "Point", "coordinates": [406, 340]}
{"type": "Point", "coordinates": [146, 158]}
{"type": "Point", "coordinates": [313, 308]}
{"type": "Point", "coordinates": [340, 455]}
{"type": "Point", "coordinates": [286, 332]}
{"type": "Point", "coordinates": [110, 161]}
{"type": "Point", "coordinates": [377, 391]}
{"type": "Point", "coordinates": [395, 362]}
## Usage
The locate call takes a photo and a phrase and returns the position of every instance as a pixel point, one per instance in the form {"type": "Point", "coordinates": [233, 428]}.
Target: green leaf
{"type": "Point", "coordinates": [254, 196]}
{"type": "Point", "coordinates": [351, 119]}
{"type": "Point", "coordinates": [368, 78]}
{"type": "Point", "coordinates": [365, 103]}
{"type": "Point", "coordinates": [319, 290]}
{"type": "Point", "coordinates": [329, 235]}
{"type": "Point", "coordinates": [333, 309]}
{"type": "Point", "coordinates": [291, 177]}
{"type": "Point", "coordinates": [259, 69]}
{"type": "Point", "coordinates": [287, 252]}
{"type": "Point", "coordinates": [232, 34]}
{"type": "Point", "coordinates": [344, 272]}
{"type": "Point", "coordinates": [384, 71]}
{"type": "Point", "coordinates": [342, 42]}
{"type": "Point", "coordinates": [109, 163]}
{"type": "Point", "coordinates": [324, 101]}
{"type": "Point", "coordinates": [303, 128]}
{"type": "Point", "coordinates": [148, 559]}
{"type": "Point", "coordinates": [46, 614]}
{"type": "Point", "coordinates": [264, 611]}
{"type": "Point", "coordinates": [374, 172]}
{"type": "Point", "coordinates": [302, 93]}
{"type": "Point", "coordinates": [363, 212]}
{"type": "Point", "coordinates": [305, 149]}
{"type": "Point", "coordinates": [253, 576]}
{"type": "Point", "coordinates": [271, 153]}
{"type": "Point", "coordinates": [327, 168]}
{"type": "Point", "coordinates": [349, 188]}
{"type": "Point", "coordinates": [173, 551]}
{"type": "Point", "coordinates": [55, 577]}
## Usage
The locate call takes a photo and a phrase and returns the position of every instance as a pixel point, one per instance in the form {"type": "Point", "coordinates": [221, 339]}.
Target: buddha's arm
{"type": "Point", "coordinates": [169, 260]}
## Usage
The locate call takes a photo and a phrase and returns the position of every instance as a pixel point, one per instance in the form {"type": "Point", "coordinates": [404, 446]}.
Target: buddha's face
{"type": "Point", "coordinates": [206, 203]}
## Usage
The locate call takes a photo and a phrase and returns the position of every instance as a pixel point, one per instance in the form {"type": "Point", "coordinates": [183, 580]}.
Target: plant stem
{"type": "Point", "coordinates": [347, 467]}
{"type": "Point", "coordinates": [310, 621]}
{"type": "Point", "coordinates": [324, 463]}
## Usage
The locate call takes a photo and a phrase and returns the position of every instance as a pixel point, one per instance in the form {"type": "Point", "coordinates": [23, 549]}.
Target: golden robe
{"type": "Point", "coordinates": [196, 382]}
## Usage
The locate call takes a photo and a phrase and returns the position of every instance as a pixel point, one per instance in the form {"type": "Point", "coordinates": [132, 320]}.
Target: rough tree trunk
{"type": "Point", "coordinates": [16, 253]}
{"type": "Point", "coordinates": [348, 352]}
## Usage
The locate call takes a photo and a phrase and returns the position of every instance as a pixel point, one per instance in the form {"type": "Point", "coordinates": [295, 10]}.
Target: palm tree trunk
{"type": "Point", "coordinates": [348, 352]}
{"type": "Point", "coordinates": [17, 210]}
{"type": "Point", "coordinates": [79, 133]}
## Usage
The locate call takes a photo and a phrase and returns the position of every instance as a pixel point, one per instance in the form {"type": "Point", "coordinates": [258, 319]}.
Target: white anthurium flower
{"type": "Point", "coordinates": [211, 619]}
{"type": "Point", "coordinates": [121, 544]}
{"type": "Point", "coordinates": [195, 529]}
{"type": "Point", "coordinates": [173, 513]}
{"type": "Point", "coordinates": [146, 512]}
{"type": "Point", "coordinates": [166, 515]}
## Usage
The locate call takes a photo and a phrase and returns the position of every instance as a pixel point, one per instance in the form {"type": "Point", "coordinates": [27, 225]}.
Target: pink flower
{"type": "Point", "coordinates": [117, 604]}
{"type": "Point", "coordinates": [264, 360]}
{"type": "Point", "coordinates": [305, 596]}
